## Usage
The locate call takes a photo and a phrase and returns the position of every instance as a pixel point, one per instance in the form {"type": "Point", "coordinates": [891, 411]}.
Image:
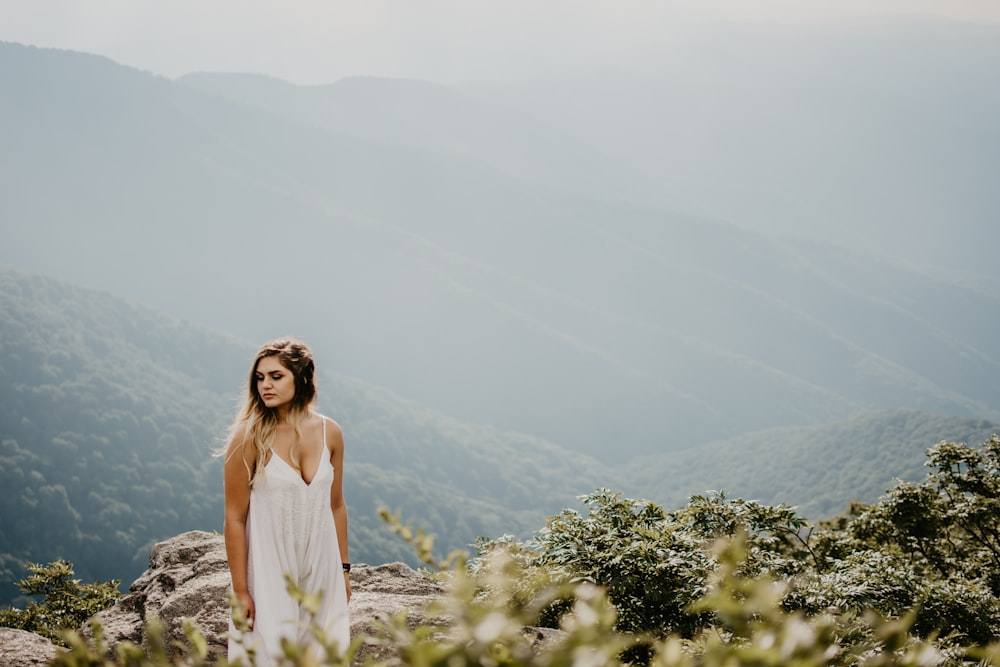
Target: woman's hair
{"type": "Point", "coordinates": [260, 421]}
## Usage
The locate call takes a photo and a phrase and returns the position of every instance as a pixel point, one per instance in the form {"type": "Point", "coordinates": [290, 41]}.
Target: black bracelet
{"type": "Point", "coordinates": [347, 567]}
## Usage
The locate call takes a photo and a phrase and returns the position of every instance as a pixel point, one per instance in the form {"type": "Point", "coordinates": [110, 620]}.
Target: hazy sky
{"type": "Point", "coordinates": [449, 41]}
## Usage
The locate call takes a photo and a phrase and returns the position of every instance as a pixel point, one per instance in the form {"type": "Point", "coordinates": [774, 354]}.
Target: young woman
{"type": "Point", "coordinates": [285, 510]}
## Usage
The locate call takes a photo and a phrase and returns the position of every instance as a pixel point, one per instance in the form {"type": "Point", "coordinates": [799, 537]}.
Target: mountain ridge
{"type": "Point", "coordinates": [818, 468]}
{"type": "Point", "coordinates": [442, 278]}
{"type": "Point", "coordinates": [111, 410]}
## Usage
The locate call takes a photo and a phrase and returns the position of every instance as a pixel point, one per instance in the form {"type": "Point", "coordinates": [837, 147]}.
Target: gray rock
{"type": "Point", "coordinates": [385, 590]}
{"type": "Point", "coordinates": [188, 577]}
{"type": "Point", "coordinates": [19, 648]}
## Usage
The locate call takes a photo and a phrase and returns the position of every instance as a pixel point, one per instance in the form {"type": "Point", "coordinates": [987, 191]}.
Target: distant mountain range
{"type": "Point", "coordinates": [819, 469]}
{"type": "Point", "coordinates": [468, 256]}
{"type": "Point", "coordinates": [878, 135]}
{"type": "Point", "coordinates": [110, 413]}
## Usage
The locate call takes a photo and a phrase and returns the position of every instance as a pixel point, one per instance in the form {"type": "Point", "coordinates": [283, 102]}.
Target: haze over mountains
{"type": "Point", "coordinates": [110, 411]}
{"type": "Point", "coordinates": [878, 135]}
{"type": "Point", "coordinates": [763, 264]}
{"type": "Point", "coordinates": [470, 256]}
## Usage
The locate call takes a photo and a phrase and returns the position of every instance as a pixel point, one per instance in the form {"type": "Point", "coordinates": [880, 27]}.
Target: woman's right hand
{"type": "Point", "coordinates": [246, 603]}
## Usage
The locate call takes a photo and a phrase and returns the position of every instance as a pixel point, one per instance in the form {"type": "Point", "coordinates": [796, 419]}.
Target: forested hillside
{"type": "Point", "coordinates": [819, 469]}
{"type": "Point", "coordinates": [109, 415]}
{"type": "Point", "coordinates": [110, 412]}
{"type": "Point", "coordinates": [437, 268]}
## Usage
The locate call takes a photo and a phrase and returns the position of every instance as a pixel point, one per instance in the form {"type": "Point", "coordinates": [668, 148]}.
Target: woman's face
{"type": "Point", "coordinates": [275, 383]}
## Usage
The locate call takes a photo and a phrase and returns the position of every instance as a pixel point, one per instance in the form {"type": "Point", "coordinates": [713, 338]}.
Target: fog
{"type": "Point", "coordinates": [644, 226]}
{"type": "Point", "coordinates": [446, 41]}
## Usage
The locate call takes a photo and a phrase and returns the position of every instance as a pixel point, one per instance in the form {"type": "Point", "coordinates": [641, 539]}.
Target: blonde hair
{"type": "Point", "coordinates": [259, 422]}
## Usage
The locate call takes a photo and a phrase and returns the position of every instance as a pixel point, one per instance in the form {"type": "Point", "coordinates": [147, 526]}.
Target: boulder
{"type": "Point", "coordinates": [19, 648]}
{"type": "Point", "coordinates": [188, 577]}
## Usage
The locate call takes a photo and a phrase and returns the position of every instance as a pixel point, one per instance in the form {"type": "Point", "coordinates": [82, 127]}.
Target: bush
{"type": "Point", "coordinates": [927, 552]}
{"type": "Point", "coordinates": [718, 583]}
{"type": "Point", "coordinates": [66, 603]}
{"type": "Point", "coordinates": [752, 627]}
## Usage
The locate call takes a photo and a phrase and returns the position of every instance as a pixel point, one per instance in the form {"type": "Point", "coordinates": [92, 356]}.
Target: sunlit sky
{"type": "Point", "coordinates": [449, 41]}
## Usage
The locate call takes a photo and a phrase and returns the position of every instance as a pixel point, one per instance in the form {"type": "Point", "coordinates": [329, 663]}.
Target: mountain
{"type": "Point", "coordinates": [440, 120]}
{"type": "Point", "coordinates": [879, 135]}
{"type": "Point", "coordinates": [819, 469]}
{"type": "Point", "coordinates": [612, 328]}
{"type": "Point", "coordinates": [110, 413]}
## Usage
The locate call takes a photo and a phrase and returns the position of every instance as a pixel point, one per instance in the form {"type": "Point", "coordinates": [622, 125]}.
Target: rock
{"type": "Point", "coordinates": [19, 648]}
{"type": "Point", "coordinates": [387, 590]}
{"type": "Point", "coordinates": [188, 577]}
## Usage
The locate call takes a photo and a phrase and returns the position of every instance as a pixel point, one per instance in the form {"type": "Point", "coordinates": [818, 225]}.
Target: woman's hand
{"type": "Point", "coordinates": [246, 603]}
{"type": "Point", "coordinates": [347, 583]}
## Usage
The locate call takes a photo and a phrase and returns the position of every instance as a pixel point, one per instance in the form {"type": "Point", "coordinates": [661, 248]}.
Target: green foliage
{"type": "Point", "coordinates": [951, 520]}
{"type": "Point", "coordinates": [108, 414]}
{"type": "Point", "coordinates": [946, 531]}
{"type": "Point", "coordinates": [752, 627]}
{"type": "Point", "coordinates": [926, 553]}
{"type": "Point", "coordinates": [157, 652]}
{"type": "Point", "coordinates": [66, 602]}
{"type": "Point", "coordinates": [652, 569]}
{"type": "Point", "coordinates": [654, 563]}
{"type": "Point", "coordinates": [777, 534]}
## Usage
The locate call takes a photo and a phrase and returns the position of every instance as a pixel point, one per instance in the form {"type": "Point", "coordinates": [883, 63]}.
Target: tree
{"type": "Point", "coordinates": [66, 603]}
{"type": "Point", "coordinates": [946, 530]}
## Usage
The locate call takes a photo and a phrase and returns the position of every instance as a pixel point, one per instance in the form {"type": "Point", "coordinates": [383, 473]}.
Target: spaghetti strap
{"type": "Point", "coordinates": [324, 434]}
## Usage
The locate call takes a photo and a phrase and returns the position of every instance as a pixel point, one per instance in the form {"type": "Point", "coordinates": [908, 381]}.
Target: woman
{"type": "Point", "coordinates": [285, 510]}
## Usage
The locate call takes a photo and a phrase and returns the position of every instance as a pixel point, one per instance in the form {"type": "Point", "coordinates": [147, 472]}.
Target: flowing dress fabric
{"type": "Point", "coordinates": [290, 530]}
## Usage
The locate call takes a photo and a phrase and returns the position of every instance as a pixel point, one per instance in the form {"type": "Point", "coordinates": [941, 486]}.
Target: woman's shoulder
{"type": "Point", "coordinates": [238, 432]}
{"type": "Point", "coordinates": [330, 426]}
{"type": "Point", "coordinates": [237, 437]}
{"type": "Point", "coordinates": [329, 422]}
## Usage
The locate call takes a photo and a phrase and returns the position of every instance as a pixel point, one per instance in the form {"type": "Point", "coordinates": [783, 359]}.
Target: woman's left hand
{"type": "Point", "coordinates": [347, 583]}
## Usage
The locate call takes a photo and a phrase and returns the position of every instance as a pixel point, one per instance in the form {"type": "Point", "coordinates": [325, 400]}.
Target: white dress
{"type": "Point", "coordinates": [290, 529]}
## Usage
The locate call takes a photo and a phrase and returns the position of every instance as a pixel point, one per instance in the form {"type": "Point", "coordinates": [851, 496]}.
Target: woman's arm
{"type": "Point", "coordinates": [335, 441]}
{"type": "Point", "coordinates": [237, 493]}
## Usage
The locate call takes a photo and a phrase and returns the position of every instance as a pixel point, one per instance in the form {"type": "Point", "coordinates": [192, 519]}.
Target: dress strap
{"type": "Point", "coordinates": [324, 433]}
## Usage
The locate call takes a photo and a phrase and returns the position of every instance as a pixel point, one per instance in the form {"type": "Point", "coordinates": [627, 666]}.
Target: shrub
{"type": "Point", "coordinates": [66, 602]}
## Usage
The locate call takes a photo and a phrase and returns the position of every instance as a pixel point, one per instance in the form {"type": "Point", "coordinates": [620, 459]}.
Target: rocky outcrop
{"type": "Point", "coordinates": [188, 577]}
{"type": "Point", "coordinates": [19, 648]}
{"type": "Point", "coordinates": [383, 590]}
